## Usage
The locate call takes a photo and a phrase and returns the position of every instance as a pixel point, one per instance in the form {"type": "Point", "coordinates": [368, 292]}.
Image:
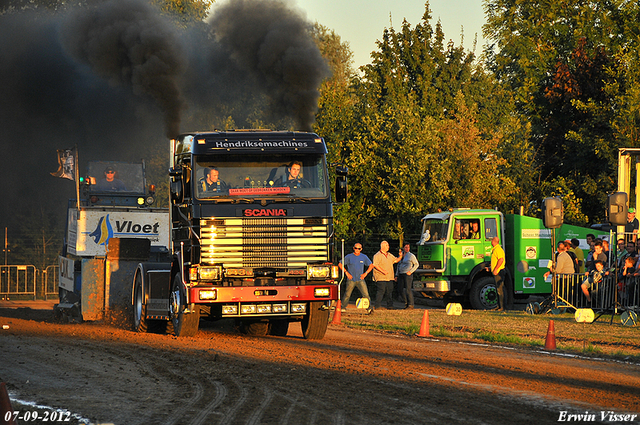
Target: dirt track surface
{"type": "Point", "coordinates": [111, 375]}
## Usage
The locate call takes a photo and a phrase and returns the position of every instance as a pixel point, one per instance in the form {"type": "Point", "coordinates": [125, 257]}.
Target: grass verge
{"type": "Point", "coordinates": [605, 337]}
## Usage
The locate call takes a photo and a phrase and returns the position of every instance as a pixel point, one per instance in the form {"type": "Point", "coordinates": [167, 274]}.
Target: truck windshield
{"type": "Point", "coordinates": [434, 230]}
{"type": "Point", "coordinates": [111, 176]}
{"type": "Point", "coordinates": [260, 175]}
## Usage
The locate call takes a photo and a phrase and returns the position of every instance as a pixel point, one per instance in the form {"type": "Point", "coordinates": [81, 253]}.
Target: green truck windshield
{"type": "Point", "coordinates": [434, 230]}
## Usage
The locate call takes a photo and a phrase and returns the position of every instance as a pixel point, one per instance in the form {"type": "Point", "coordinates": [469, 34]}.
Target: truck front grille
{"type": "Point", "coordinates": [264, 242]}
{"type": "Point", "coordinates": [431, 265]}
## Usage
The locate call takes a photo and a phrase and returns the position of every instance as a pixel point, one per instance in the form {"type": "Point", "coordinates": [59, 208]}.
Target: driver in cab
{"type": "Point", "coordinates": [211, 181]}
{"type": "Point", "coordinates": [293, 178]}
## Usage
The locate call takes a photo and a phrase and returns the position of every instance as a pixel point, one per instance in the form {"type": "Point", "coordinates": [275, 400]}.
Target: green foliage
{"type": "Point", "coordinates": [572, 66]}
{"type": "Point", "coordinates": [418, 132]}
{"type": "Point", "coordinates": [570, 203]}
{"type": "Point", "coordinates": [184, 12]}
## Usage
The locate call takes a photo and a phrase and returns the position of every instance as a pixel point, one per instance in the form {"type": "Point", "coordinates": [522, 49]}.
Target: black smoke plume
{"type": "Point", "coordinates": [116, 78]}
{"type": "Point", "coordinates": [127, 42]}
{"type": "Point", "coordinates": [270, 44]}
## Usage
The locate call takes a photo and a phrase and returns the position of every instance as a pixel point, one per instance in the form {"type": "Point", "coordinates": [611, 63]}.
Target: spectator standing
{"type": "Point", "coordinates": [406, 267]}
{"type": "Point", "coordinates": [630, 251]}
{"type": "Point", "coordinates": [598, 255]}
{"type": "Point", "coordinates": [621, 245]}
{"type": "Point", "coordinates": [575, 243]}
{"type": "Point", "coordinates": [498, 270]}
{"type": "Point", "coordinates": [354, 269]}
{"type": "Point", "coordinates": [590, 241]}
{"type": "Point", "coordinates": [568, 248]}
{"type": "Point", "coordinates": [383, 274]}
{"type": "Point", "coordinates": [631, 228]}
{"type": "Point", "coordinates": [564, 264]}
{"type": "Point", "coordinates": [605, 251]}
{"type": "Point", "coordinates": [594, 277]}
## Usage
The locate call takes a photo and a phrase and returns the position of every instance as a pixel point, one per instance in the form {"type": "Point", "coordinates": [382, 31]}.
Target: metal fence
{"type": "Point", "coordinates": [26, 281]}
{"type": "Point", "coordinates": [609, 295]}
{"type": "Point", "coordinates": [50, 280]}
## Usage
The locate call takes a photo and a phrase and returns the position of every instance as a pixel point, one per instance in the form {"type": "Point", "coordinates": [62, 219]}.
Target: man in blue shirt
{"type": "Point", "coordinates": [353, 268]}
{"type": "Point", "coordinates": [406, 267]}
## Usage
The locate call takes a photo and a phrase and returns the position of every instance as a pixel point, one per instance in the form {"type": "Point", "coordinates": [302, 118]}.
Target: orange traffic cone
{"type": "Point", "coordinates": [5, 406]}
{"type": "Point", "coordinates": [337, 314]}
{"type": "Point", "coordinates": [424, 327]}
{"type": "Point", "coordinates": [550, 342]}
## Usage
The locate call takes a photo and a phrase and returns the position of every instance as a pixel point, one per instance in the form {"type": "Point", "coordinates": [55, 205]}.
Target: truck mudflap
{"type": "Point", "coordinates": [264, 301]}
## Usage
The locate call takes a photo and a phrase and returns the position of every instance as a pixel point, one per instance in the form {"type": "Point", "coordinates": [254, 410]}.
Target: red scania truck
{"type": "Point", "coordinates": [251, 236]}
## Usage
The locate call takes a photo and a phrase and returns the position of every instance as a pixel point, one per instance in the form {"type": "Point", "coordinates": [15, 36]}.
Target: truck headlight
{"type": "Point", "coordinates": [298, 308]}
{"type": "Point", "coordinates": [248, 309]}
{"type": "Point", "coordinates": [205, 273]}
{"type": "Point", "coordinates": [319, 272]}
{"type": "Point", "coordinates": [229, 309]}
{"type": "Point", "coordinates": [279, 308]}
{"type": "Point", "coordinates": [210, 273]}
{"type": "Point", "coordinates": [321, 292]}
{"type": "Point", "coordinates": [208, 294]}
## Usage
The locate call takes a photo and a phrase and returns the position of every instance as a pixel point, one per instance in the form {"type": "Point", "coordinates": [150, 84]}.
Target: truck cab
{"type": "Point", "coordinates": [453, 252]}
{"type": "Point", "coordinates": [110, 229]}
{"type": "Point", "coordinates": [251, 235]}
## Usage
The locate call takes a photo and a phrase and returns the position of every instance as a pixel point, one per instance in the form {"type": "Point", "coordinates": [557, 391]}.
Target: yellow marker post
{"type": "Point", "coordinates": [584, 315]}
{"type": "Point", "coordinates": [362, 303]}
{"type": "Point", "coordinates": [454, 309]}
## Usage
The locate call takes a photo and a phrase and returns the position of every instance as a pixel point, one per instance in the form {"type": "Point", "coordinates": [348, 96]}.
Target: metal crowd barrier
{"type": "Point", "coordinates": [18, 280]}
{"type": "Point", "coordinates": [50, 281]}
{"type": "Point", "coordinates": [26, 281]}
{"type": "Point", "coordinates": [607, 296]}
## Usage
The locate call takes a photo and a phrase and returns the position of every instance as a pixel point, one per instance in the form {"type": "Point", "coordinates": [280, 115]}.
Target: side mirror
{"type": "Point", "coordinates": [176, 187]}
{"type": "Point", "coordinates": [341, 189]}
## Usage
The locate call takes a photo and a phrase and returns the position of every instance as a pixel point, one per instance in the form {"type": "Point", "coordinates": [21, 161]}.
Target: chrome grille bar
{"type": "Point", "coordinates": [263, 242]}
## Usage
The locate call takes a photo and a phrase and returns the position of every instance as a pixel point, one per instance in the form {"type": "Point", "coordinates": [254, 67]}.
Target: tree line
{"type": "Point", "coordinates": [429, 126]}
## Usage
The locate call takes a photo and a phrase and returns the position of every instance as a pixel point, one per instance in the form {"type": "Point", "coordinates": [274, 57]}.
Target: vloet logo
{"type": "Point", "coordinates": [261, 212]}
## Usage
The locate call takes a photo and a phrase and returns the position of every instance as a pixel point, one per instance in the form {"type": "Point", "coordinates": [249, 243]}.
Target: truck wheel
{"type": "Point", "coordinates": [483, 294]}
{"type": "Point", "coordinates": [184, 324]}
{"type": "Point", "coordinates": [278, 327]}
{"type": "Point", "coordinates": [314, 324]}
{"type": "Point", "coordinates": [139, 307]}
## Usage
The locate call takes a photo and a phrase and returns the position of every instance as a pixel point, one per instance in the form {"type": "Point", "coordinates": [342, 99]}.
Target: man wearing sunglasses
{"type": "Point", "coordinates": [353, 268]}
{"type": "Point", "coordinates": [110, 183]}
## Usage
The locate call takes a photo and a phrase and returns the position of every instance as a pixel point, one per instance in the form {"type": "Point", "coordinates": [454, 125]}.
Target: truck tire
{"type": "Point", "coordinates": [278, 327]}
{"type": "Point", "coordinates": [139, 306]}
{"type": "Point", "coordinates": [184, 324]}
{"type": "Point", "coordinates": [315, 322]}
{"type": "Point", "coordinates": [483, 294]}
{"type": "Point", "coordinates": [140, 323]}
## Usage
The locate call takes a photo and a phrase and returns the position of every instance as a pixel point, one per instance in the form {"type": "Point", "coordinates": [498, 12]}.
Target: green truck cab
{"type": "Point", "coordinates": [455, 249]}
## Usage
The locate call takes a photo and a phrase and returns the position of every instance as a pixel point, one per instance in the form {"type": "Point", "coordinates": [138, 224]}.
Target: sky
{"type": "Point", "coordinates": [362, 22]}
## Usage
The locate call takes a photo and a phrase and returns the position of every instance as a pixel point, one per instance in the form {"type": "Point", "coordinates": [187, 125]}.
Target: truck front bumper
{"type": "Point", "coordinates": [432, 285]}
{"type": "Point", "coordinates": [263, 300]}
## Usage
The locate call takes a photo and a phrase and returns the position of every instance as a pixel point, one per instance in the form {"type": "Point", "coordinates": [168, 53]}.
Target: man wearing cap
{"type": "Point", "coordinates": [110, 183]}
{"type": "Point", "coordinates": [631, 228]}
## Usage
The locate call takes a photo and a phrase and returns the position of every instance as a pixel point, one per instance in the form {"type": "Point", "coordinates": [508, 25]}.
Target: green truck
{"type": "Point", "coordinates": [455, 248]}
